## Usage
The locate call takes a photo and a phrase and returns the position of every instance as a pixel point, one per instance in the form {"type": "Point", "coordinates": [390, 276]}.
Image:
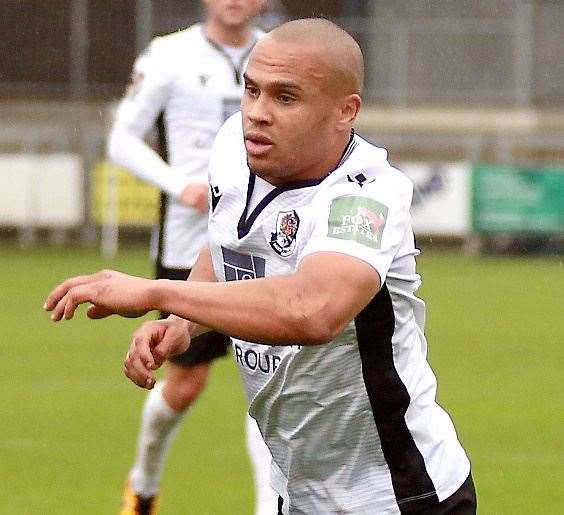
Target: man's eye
{"type": "Point", "coordinates": [252, 91]}
{"type": "Point", "coordinates": [286, 99]}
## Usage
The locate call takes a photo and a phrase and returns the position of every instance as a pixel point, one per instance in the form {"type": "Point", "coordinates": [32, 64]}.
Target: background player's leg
{"type": "Point", "coordinates": [266, 498]}
{"type": "Point", "coordinates": [164, 408]}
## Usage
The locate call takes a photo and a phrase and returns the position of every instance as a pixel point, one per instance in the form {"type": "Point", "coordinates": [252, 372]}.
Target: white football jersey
{"type": "Point", "coordinates": [196, 86]}
{"type": "Point", "coordinates": [352, 425]}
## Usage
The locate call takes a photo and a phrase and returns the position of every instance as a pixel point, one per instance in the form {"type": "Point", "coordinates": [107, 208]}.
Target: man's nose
{"type": "Point", "coordinates": [259, 111]}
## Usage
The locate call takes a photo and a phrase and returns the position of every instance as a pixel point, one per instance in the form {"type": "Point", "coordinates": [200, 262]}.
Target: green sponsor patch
{"type": "Point", "coordinates": [360, 219]}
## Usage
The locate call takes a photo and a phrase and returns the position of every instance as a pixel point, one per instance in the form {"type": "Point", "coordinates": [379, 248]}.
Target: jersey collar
{"type": "Point", "coordinates": [245, 223]}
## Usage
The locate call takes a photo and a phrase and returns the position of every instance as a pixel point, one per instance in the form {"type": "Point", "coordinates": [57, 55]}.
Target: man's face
{"type": "Point", "coordinates": [233, 13]}
{"type": "Point", "coordinates": [288, 111]}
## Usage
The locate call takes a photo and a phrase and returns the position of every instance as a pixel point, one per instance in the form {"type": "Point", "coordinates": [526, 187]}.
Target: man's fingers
{"type": "Point", "coordinates": [74, 297]}
{"type": "Point", "coordinates": [172, 344]}
{"type": "Point", "coordinates": [59, 309]}
{"type": "Point", "coordinates": [158, 357]}
{"type": "Point", "coordinates": [97, 312]}
{"type": "Point", "coordinates": [135, 371]}
{"type": "Point", "coordinates": [60, 291]}
{"type": "Point", "coordinates": [195, 195]}
{"type": "Point", "coordinates": [151, 344]}
{"type": "Point", "coordinates": [57, 294]}
{"type": "Point", "coordinates": [203, 208]}
{"type": "Point", "coordinates": [138, 372]}
{"type": "Point", "coordinates": [145, 338]}
{"type": "Point", "coordinates": [66, 306]}
{"type": "Point", "coordinates": [142, 344]}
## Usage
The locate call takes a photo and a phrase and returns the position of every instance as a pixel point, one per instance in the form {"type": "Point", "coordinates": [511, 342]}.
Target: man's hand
{"type": "Point", "coordinates": [151, 345]}
{"type": "Point", "coordinates": [195, 195]}
{"type": "Point", "coordinates": [109, 293]}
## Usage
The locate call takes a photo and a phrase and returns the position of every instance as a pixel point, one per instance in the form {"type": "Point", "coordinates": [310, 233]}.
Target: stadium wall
{"type": "Point", "coordinates": [436, 147]}
{"type": "Point", "coordinates": [494, 53]}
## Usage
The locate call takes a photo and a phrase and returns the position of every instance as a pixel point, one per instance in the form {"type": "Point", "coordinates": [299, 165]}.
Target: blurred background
{"type": "Point", "coordinates": [468, 97]}
{"type": "Point", "coordinates": [451, 84]}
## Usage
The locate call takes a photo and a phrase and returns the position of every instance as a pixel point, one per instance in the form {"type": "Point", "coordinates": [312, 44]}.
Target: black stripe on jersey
{"type": "Point", "coordinates": [245, 224]}
{"type": "Point", "coordinates": [162, 150]}
{"type": "Point", "coordinates": [389, 399]}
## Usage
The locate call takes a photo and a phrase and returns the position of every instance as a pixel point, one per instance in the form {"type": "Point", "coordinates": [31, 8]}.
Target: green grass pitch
{"type": "Point", "coordinates": [69, 417]}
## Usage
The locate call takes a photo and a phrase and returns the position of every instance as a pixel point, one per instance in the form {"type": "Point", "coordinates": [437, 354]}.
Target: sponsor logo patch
{"type": "Point", "coordinates": [283, 240]}
{"type": "Point", "coordinates": [360, 219]}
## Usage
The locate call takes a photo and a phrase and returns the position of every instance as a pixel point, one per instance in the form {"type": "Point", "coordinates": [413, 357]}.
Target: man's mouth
{"type": "Point", "coordinates": [257, 144]}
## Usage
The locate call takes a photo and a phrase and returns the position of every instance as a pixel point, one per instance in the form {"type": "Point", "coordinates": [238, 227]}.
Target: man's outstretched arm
{"type": "Point", "coordinates": [309, 307]}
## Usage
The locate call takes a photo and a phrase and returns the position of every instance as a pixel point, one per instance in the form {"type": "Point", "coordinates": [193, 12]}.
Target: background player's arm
{"type": "Point", "coordinates": [136, 116]}
{"type": "Point", "coordinates": [131, 151]}
{"type": "Point", "coordinates": [128, 149]}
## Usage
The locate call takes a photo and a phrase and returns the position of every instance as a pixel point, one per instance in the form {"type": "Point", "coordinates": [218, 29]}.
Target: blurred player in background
{"type": "Point", "coordinates": [187, 83]}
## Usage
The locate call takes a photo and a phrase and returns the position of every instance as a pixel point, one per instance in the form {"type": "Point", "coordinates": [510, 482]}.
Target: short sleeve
{"type": "Point", "coordinates": [367, 223]}
{"type": "Point", "coordinates": [148, 91]}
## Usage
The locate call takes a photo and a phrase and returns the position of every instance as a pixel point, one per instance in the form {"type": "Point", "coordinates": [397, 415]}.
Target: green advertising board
{"type": "Point", "coordinates": [517, 200]}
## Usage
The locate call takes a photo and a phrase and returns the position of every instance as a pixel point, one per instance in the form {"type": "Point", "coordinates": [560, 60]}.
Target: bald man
{"type": "Point", "coordinates": [311, 269]}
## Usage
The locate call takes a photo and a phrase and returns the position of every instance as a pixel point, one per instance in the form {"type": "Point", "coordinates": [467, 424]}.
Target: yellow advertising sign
{"type": "Point", "coordinates": [119, 197]}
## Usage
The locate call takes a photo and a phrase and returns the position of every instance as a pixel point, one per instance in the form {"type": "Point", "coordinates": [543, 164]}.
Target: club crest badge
{"type": "Point", "coordinates": [283, 240]}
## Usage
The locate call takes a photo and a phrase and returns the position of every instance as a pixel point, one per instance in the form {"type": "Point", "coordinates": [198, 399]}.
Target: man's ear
{"type": "Point", "coordinates": [349, 109]}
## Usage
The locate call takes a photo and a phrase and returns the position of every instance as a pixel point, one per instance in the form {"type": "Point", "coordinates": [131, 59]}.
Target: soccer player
{"type": "Point", "coordinates": [187, 84]}
{"type": "Point", "coordinates": [313, 255]}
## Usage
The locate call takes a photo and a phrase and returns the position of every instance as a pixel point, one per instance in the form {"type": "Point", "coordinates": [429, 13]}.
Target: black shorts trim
{"type": "Point", "coordinates": [204, 348]}
{"type": "Point", "coordinates": [174, 274]}
{"type": "Point", "coordinates": [461, 502]}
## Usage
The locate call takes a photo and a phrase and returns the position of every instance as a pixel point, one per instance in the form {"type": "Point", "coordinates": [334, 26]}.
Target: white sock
{"type": "Point", "coordinates": [159, 425]}
{"type": "Point", "coordinates": [266, 497]}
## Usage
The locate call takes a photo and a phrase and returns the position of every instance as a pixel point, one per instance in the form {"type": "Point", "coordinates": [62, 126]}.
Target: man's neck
{"type": "Point", "coordinates": [229, 36]}
{"type": "Point", "coordinates": [322, 169]}
{"type": "Point", "coordinates": [332, 160]}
